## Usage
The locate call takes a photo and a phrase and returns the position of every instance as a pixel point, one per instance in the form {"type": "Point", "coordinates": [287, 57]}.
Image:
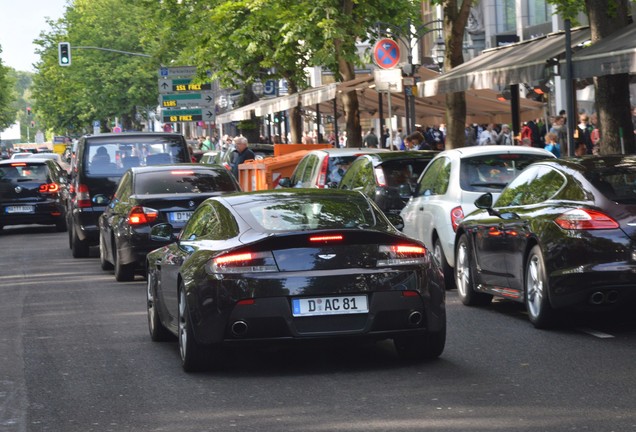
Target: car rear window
{"type": "Point", "coordinates": [112, 158]}
{"type": "Point", "coordinates": [488, 173]}
{"type": "Point", "coordinates": [297, 213]}
{"type": "Point", "coordinates": [337, 166]}
{"type": "Point", "coordinates": [24, 171]}
{"type": "Point", "coordinates": [617, 183]}
{"type": "Point", "coordinates": [401, 172]}
{"type": "Point", "coordinates": [184, 181]}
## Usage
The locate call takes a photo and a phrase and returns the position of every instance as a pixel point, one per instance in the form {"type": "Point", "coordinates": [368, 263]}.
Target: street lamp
{"type": "Point", "coordinates": [410, 36]}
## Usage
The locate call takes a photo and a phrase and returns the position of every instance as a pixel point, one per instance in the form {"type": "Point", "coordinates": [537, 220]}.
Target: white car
{"type": "Point", "coordinates": [324, 167]}
{"type": "Point", "coordinates": [448, 187]}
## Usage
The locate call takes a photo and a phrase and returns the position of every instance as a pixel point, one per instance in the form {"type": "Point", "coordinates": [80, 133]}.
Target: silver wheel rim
{"type": "Point", "coordinates": [534, 287]}
{"type": "Point", "coordinates": [462, 270]}
{"type": "Point", "coordinates": [183, 335]}
{"type": "Point", "coordinates": [437, 253]}
{"type": "Point", "coordinates": [151, 303]}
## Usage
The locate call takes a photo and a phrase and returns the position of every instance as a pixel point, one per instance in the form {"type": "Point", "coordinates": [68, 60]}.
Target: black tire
{"type": "Point", "coordinates": [103, 262]}
{"type": "Point", "coordinates": [158, 332]}
{"type": "Point", "coordinates": [79, 247]}
{"type": "Point", "coordinates": [195, 357]}
{"type": "Point", "coordinates": [540, 311]}
{"type": "Point", "coordinates": [123, 272]}
{"type": "Point", "coordinates": [428, 346]}
{"type": "Point", "coordinates": [70, 229]}
{"type": "Point", "coordinates": [464, 276]}
{"type": "Point", "coordinates": [438, 254]}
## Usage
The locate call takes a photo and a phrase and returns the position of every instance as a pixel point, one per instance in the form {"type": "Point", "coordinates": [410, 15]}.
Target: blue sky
{"type": "Point", "coordinates": [21, 21]}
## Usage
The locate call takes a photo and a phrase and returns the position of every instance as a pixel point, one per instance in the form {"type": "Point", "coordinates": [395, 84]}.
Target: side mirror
{"type": "Point", "coordinates": [484, 201]}
{"type": "Point", "coordinates": [162, 233]}
{"type": "Point", "coordinates": [284, 182]}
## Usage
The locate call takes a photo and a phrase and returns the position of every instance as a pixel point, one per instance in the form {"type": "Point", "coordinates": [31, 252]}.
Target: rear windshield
{"type": "Point", "coordinates": [617, 184]}
{"type": "Point", "coordinates": [337, 166]}
{"type": "Point", "coordinates": [302, 213]}
{"type": "Point", "coordinates": [112, 157]}
{"type": "Point", "coordinates": [24, 171]}
{"type": "Point", "coordinates": [401, 172]}
{"type": "Point", "coordinates": [184, 181]}
{"type": "Point", "coordinates": [490, 173]}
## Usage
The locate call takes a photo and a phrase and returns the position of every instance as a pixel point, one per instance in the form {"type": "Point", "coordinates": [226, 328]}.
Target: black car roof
{"type": "Point", "coordinates": [178, 166]}
{"type": "Point", "coordinates": [245, 197]}
{"type": "Point", "coordinates": [379, 158]}
{"type": "Point", "coordinates": [133, 134]}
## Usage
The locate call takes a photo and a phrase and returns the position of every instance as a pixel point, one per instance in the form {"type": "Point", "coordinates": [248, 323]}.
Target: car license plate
{"type": "Point", "coordinates": [181, 216]}
{"type": "Point", "coordinates": [329, 305]}
{"type": "Point", "coordinates": [20, 209]}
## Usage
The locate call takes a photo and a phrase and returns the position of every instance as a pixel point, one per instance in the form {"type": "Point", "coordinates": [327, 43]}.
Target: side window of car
{"type": "Point", "coordinates": [196, 226]}
{"type": "Point", "coordinates": [298, 172]}
{"type": "Point", "coordinates": [364, 178]}
{"type": "Point", "coordinates": [124, 190]}
{"type": "Point", "coordinates": [349, 179]}
{"type": "Point", "coordinates": [533, 186]}
{"type": "Point", "coordinates": [224, 225]}
{"type": "Point", "coordinates": [430, 183]}
{"type": "Point", "coordinates": [307, 174]}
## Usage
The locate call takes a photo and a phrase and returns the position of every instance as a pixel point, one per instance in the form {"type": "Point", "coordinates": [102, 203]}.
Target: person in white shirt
{"type": "Point", "coordinates": [488, 136]}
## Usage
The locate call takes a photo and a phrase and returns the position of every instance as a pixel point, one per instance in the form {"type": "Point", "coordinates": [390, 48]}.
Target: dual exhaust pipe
{"type": "Point", "coordinates": [604, 297]}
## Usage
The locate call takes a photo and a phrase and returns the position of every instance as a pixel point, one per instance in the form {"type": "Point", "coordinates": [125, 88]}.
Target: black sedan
{"type": "Point", "coordinates": [562, 234]}
{"type": "Point", "coordinates": [32, 191]}
{"type": "Point", "coordinates": [282, 265]}
{"type": "Point", "coordinates": [387, 178]}
{"type": "Point", "coordinates": [147, 196]}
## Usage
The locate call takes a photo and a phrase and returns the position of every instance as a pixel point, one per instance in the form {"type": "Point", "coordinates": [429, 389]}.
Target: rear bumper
{"type": "Point", "coordinates": [46, 213]}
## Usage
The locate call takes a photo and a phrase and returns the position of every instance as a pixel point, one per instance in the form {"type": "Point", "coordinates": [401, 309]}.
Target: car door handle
{"type": "Point", "coordinates": [421, 208]}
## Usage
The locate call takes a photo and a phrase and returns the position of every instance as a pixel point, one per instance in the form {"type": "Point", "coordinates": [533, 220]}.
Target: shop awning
{"type": "Point", "coordinates": [522, 62]}
{"type": "Point", "coordinates": [239, 114]}
{"type": "Point", "coordinates": [274, 105]}
{"type": "Point", "coordinates": [615, 54]}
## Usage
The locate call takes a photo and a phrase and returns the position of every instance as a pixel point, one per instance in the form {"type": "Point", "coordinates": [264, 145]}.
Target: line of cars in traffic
{"type": "Point", "coordinates": [371, 260]}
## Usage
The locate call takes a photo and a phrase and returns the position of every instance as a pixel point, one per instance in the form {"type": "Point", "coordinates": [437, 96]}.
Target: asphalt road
{"type": "Point", "coordinates": [75, 355]}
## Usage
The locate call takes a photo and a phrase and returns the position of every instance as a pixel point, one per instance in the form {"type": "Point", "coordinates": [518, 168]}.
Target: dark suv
{"type": "Point", "coordinates": [99, 163]}
{"type": "Point", "coordinates": [32, 191]}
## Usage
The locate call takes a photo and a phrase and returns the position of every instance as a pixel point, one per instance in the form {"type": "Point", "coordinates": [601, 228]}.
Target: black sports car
{"type": "Point", "coordinates": [562, 234]}
{"type": "Point", "coordinates": [295, 264]}
{"type": "Point", "coordinates": [147, 196]}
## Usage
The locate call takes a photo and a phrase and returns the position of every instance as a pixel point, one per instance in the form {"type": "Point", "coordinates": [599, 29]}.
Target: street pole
{"type": "Point", "coordinates": [569, 88]}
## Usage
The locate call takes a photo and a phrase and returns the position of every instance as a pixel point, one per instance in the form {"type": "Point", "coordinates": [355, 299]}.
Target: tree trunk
{"type": "Point", "coordinates": [350, 104]}
{"type": "Point", "coordinates": [455, 20]}
{"type": "Point", "coordinates": [294, 116]}
{"type": "Point", "coordinates": [612, 91]}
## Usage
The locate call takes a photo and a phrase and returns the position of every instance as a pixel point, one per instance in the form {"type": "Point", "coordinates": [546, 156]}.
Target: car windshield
{"type": "Point", "coordinates": [337, 166]}
{"type": "Point", "coordinates": [183, 181]}
{"type": "Point", "coordinates": [617, 183]}
{"type": "Point", "coordinates": [299, 212]}
{"type": "Point", "coordinates": [113, 157]}
{"type": "Point", "coordinates": [24, 171]}
{"type": "Point", "coordinates": [488, 173]}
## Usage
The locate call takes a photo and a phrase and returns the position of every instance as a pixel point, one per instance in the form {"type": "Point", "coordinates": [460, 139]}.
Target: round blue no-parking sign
{"type": "Point", "coordinates": [386, 53]}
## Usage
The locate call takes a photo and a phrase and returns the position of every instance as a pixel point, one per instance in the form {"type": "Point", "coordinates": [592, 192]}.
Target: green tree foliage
{"type": "Point", "coordinates": [99, 84]}
{"type": "Point", "coordinates": [241, 40]}
{"type": "Point", "coordinates": [7, 97]}
{"type": "Point", "coordinates": [611, 91]}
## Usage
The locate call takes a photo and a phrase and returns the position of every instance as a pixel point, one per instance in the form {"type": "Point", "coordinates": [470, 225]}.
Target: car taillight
{"type": "Point", "coordinates": [49, 188]}
{"type": "Point", "coordinates": [401, 254]}
{"type": "Point", "coordinates": [585, 219]}
{"type": "Point", "coordinates": [456, 216]}
{"type": "Point", "coordinates": [379, 177]}
{"type": "Point", "coordinates": [83, 196]}
{"type": "Point", "coordinates": [142, 215]}
{"type": "Point", "coordinates": [322, 177]}
{"type": "Point", "coordinates": [243, 262]}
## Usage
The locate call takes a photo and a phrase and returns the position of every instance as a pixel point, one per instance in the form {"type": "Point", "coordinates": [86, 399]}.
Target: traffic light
{"type": "Point", "coordinates": [28, 111]}
{"type": "Point", "coordinates": [64, 53]}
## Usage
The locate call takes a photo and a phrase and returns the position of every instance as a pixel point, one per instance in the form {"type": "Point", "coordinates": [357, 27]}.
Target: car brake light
{"type": "Point", "coordinates": [49, 188]}
{"type": "Point", "coordinates": [585, 219]}
{"type": "Point", "coordinates": [243, 262]}
{"type": "Point", "coordinates": [139, 215]}
{"type": "Point", "coordinates": [326, 238]}
{"type": "Point", "coordinates": [181, 172]}
{"type": "Point", "coordinates": [379, 177]}
{"type": "Point", "coordinates": [402, 254]}
{"type": "Point", "coordinates": [322, 177]}
{"type": "Point", "coordinates": [18, 164]}
{"type": "Point", "coordinates": [456, 215]}
{"type": "Point", "coordinates": [83, 196]}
